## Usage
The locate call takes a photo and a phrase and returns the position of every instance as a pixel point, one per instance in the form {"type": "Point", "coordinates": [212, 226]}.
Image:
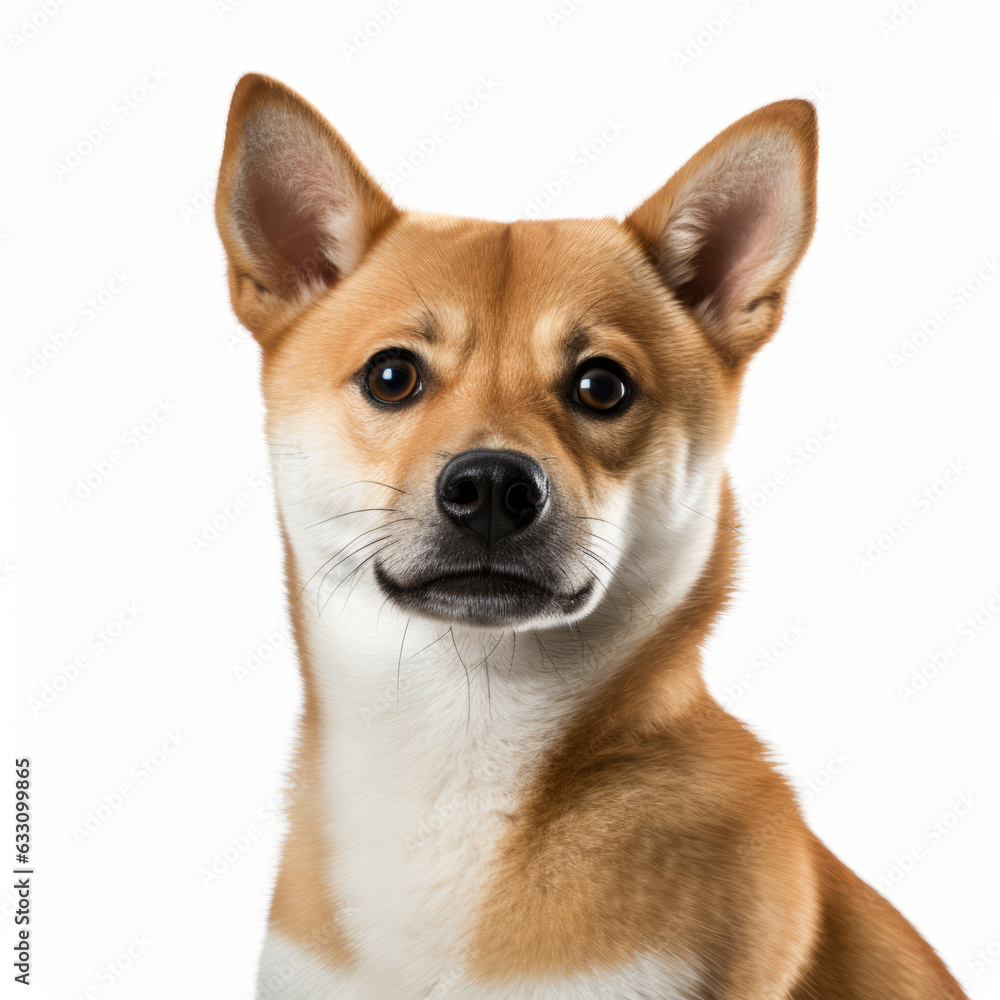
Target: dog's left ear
{"type": "Point", "coordinates": [728, 229]}
{"type": "Point", "coordinates": [295, 209]}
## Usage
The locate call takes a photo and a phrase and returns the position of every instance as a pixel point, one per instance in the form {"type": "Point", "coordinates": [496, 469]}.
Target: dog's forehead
{"type": "Point", "coordinates": [540, 280]}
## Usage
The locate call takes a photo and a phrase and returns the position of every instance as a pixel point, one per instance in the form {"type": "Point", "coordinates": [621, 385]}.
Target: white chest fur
{"type": "Point", "coordinates": [421, 780]}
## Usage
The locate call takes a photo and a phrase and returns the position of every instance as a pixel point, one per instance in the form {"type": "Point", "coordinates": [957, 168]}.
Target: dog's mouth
{"type": "Point", "coordinates": [484, 597]}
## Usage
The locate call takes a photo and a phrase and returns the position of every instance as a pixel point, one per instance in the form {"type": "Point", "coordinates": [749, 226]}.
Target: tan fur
{"type": "Point", "coordinates": [297, 908]}
{"type": "Point", "coordinates": [658, 822]}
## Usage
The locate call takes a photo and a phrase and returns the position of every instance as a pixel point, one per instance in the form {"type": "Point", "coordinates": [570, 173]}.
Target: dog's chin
{"type": "Point", "coordinates": [485, 599]}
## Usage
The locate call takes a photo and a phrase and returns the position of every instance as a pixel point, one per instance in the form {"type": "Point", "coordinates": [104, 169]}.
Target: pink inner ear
{"type": "Point", "coordinates": [292, 233]}
{"type": "Point", "coordinates": [739, 235]}
{"type": "Point", "coordinates": [287, 191]}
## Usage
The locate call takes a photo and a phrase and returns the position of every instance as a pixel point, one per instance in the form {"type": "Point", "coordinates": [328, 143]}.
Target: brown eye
{"type": "Point", "coordinates": [600, 385]}
{"type": "Point", "coordinates": [393, 377]}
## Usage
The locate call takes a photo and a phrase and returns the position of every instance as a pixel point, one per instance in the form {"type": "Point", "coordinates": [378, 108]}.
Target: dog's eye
{"type": "Point", "coordinates": [600, 385]}
{"type": "Point", "coordinates": [393, 376]}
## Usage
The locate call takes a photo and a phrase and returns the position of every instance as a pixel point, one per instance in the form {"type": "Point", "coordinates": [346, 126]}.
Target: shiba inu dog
{"type": "Point", "coordinates": [498, 466]}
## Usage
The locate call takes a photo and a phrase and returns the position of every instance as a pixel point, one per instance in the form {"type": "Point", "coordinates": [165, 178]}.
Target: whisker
{"type": "Point", "coordinates": [546, 656]}
{"type": "Point", "coordinates": [321, 490]}
{"type": "Point", "coordinates": [433, 642]}
{"type": "Point", "coordinates": [399, 662]}
{"type": "Point", "coordinates": [292, 450]}
{"type": "Point", "coordinates": [486, 671]}
{"type": "Point", "coordinates": [614, 604]}
{"type": "Point", "coordinates": [360, 565]}
{"type": "Point", "coordinates": [620, 548]}
{"type": "Point", "coordinates": [354, 582]}
{"type": "Point", "coordinates": [640, 575]}
{"type": "Point", "coordinates": [381, 608]}
{"type": "Point", "coordinates": [302, 501]}
{"type": "Point", "coordinates": [578, 627]}
{"type": "Point", "coordinates": [721, 524]}
{"type": "Point", "coordinates": [360, 510]}
{"type": "Point", "coordinates": [594, 555]}
{"type": "Point", "coordinates": [468, 681]}
{"type": "Point", "coordinates": [603, 520]}
{"type": "Point", "coordinates": [485, 664]}
{"type": "Point", "coordinates": [378, 527]}
{"type": "Point", "coordinates": [493, 649]}
{"type": "Point", "coordinates": [373, 482]}
{"type": "Point", "coordinates": [350, 555]}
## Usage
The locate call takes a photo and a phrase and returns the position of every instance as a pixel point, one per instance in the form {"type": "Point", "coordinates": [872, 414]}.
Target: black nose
{"type": "Point", "coordinates": [493, 493]}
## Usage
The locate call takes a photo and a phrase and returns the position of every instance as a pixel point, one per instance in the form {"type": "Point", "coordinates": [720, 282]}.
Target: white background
{"type": "Point", "coordinates": [877, 770]}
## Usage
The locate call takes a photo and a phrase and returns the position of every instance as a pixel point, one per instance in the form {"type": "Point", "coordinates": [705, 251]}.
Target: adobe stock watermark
{"type": "Point", "coordinates": [410, 670]}
{"type": "Point", "coordinates": [31, 25]}
{"type": "Point", "coordinates": [561, 12]}
{"type": "Point", "coordinates": [236, 337]}
{"type": "Point", "coordinates": [775, 823]}
{"type": "Point", "coordinates": [427, 145]}
{"type": "Point", "coordinates": [237, 845]}
{"type": "Point", "coordinates": [809, 787]}
{"type": "Point", "coordinates": [122, 108]}
{"type": "Point", "coordinates": [98, 642]}
{"type": "Point", "coordinates": [262, 651]}
{"type": "Point", "coordinates": [898, 16]}
{"type": "Point", "coordinates": [955, 301]}
{"type": "Point", "coordinates": [710, 30]}
{"type": "Point", "coordinates": [223, 8]}
{"type": "Point", "coordinates": [581, 158]}
{"type": "Point", "coordinates": [274, 983]}
{"type": "Point", "coordinates": [87, 311]}
{"type": "Point", "coordinates": [371, 28]}
{"type": "Point", "coordinates": [913, 168]}
{"type": "Point", "coordinates": [427, 829]}
{"type": "Point", "coordinates": [796, 459]}
{"type": "Point", "coordinates": [228, 512]}
{"type": "Point", "coordinates": [101, 813]}
{"type": "Point", "coordinates": [931, 836]}
{"type": "Point", "coordinates": [762, 663]}
{"type": "Point", "coordinates": [389, 697]}
{"type": "Point", "coordinates": [970, 628]}
{"type": "Point", "coordinates": [225, 857]}
{"type": "Point", "coordinates": [923, 501]}
{"type": "Point", "coordinates": [445, 984]}
{"type": "Point", "coordinates": [982, 959]}
{"type": "Point", "coordinates": [819, 94]}
{"type": "Point", "coordinates": [111, 972]}
{"type": "Point", "coordinates": [201, 198]}
{"type": "Point", "coordinates": [131, 440]}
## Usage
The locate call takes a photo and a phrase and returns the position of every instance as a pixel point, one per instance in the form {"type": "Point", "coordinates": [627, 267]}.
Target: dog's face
{"type": "Point", "coordinates": [514, 388]}
{"type": "Point", "coordinates": [504, 424]}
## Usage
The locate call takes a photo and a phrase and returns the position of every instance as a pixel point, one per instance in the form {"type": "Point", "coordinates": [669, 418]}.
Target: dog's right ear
{"type": "Point", "coordinates": [729, 228]}
{"type": "Point", "coordinates": [295, 209]}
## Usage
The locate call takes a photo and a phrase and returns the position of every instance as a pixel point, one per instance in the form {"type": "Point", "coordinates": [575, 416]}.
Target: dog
{"type": "Point", "coordinates": [498, 467]}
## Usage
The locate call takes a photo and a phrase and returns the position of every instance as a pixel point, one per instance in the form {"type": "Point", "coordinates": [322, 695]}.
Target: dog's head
{"type": "Point", "coordinates": [504, 425]}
